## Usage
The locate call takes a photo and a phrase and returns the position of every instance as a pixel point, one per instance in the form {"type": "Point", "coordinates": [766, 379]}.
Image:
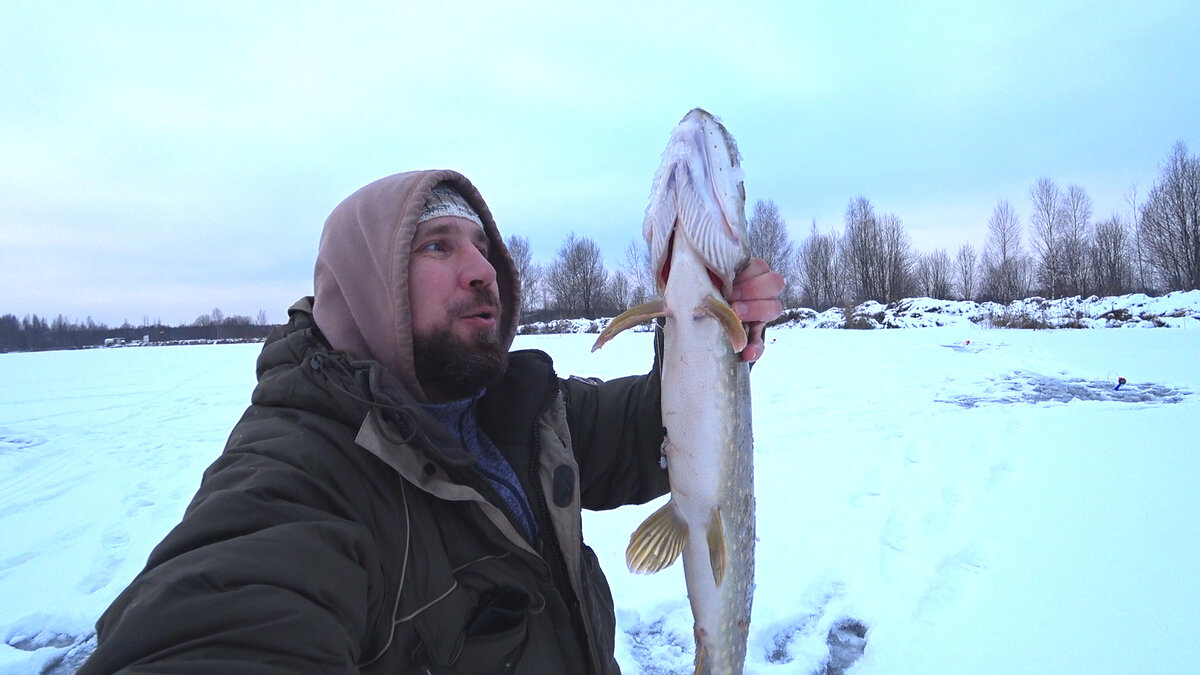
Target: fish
{"type": "Point", "coordinates": [695, 228]}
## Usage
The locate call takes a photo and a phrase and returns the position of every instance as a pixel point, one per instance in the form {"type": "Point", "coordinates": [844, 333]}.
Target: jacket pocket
{"type": "Point", "coordinates": [492, 641]}
{"type": "Point", "coordinates": [600, 609]}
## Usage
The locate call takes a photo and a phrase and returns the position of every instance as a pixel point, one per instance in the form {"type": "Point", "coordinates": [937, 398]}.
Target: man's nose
{"type": "Point", "coordinates": [478, 270]}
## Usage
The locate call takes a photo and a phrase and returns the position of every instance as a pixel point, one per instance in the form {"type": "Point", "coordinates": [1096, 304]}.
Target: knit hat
{"type": "Point", "coordinates": [444, 200]}
{"type": "Point", "coordinates": [361, 278]}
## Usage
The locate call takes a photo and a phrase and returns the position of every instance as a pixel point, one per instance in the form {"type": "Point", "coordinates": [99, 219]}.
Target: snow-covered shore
{"type": "Point", "coordinates": [1176, 309]}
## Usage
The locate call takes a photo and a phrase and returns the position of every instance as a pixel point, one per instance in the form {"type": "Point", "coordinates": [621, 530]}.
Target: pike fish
{"type": "Point", "coordinates": [695, 228]}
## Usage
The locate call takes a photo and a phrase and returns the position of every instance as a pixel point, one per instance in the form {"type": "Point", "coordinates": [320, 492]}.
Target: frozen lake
{"type": "Point", "coordinates": [981, 501]}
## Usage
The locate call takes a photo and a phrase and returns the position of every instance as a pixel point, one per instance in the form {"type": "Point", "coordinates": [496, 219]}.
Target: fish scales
{"type": "Point", "coordinates": [695, 227]}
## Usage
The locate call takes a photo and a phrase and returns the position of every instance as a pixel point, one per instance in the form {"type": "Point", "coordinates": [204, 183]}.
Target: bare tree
{"type": "Point", "coordinates": [860, 252]}
{"type": "Point", "coordinates": [527, 271]}
{"type": "Point", "coordinates": [637, 268]}
{"type": "Point", "coordinates": [934, 274]}
{"type": "Point", "coordinates": [1110, 254]}
{"type": "Point", "coordinates": [1171, 222]}
{"type": "Point", "coordinates": [215, 318]}
{"type": "Point", "coordinates": [876, 255]}
{"type": "Point", "coordinates": [1004, 266]}
{"type": "Point", "coordinates": [768, 239]}
{"type": "Point", "coordinates": [1047, 223]}
{"type": "Point", "coordinates": [577, 278]}
{"type": "Point", "coordinates": [818, 271]}
{"type": "Point", "coordinates": [618, 294]}
{"type": "Point", "coordinates": [1138, 250]}
{"type": "Point", "coordinates": [964, 268]}
{"type": "Point", "coordinates": [898, 259]}
{"type": "Point", "coordinates": [1076, 233]}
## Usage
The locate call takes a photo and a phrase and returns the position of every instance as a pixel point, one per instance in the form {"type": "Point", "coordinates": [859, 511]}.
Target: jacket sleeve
{"type": "Point", "coordinates": [266, 573]}
{"type": "Point", "coordinates": [616, 432]}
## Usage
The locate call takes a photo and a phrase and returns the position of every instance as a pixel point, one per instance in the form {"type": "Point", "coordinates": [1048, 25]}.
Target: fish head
{"type": "Point", "coordinates": [698, 196]}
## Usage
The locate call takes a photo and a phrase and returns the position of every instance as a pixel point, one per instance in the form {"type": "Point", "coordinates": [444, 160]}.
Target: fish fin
{"type": "Point", "coordinates": [630, 318]}
{"type": "Point", "coordinates": [724, 314]}
{"type": "Point", "coordinates": [716, 546]}
{"type": "Point", "coordinates": [657, 542]}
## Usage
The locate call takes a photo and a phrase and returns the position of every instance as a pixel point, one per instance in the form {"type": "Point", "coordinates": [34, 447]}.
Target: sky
{"type": "Point", "coordinates": [160, 160]}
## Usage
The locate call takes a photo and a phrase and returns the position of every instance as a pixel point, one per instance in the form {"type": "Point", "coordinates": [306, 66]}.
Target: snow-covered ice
{"type": "Point", "coordinates": [978, 500]}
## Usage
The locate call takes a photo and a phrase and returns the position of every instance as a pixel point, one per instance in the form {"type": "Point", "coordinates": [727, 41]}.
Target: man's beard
{"type": "Point", "coordinates": [449, 369]}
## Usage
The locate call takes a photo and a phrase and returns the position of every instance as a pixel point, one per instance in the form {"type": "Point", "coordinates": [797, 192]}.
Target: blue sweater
{"type": "Point", "coordinates": [460, 418]}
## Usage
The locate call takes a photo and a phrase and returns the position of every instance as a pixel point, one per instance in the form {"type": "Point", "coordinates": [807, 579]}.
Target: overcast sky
{"type": "Point", "coordinates": [161, 159]}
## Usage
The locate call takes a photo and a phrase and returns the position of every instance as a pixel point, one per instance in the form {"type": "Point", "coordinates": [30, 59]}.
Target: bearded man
{"type": "Point", "coordinates": [404, 494]}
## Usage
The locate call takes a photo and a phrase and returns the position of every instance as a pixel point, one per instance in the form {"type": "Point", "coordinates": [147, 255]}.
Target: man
{"type": "Point", "coordinates": [403, 494]}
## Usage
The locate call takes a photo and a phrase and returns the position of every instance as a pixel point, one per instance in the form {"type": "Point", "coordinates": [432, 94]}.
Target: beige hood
{"type": "Point", "coordinates": [361, 277]}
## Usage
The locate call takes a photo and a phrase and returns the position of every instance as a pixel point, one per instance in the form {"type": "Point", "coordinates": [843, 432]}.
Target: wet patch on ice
{"type": "Point", "coordinates": [1027, 387]}
{"type": "Point", "coordinates": [659, 650]}
{"type": "Point", "coordinates": [807, 639]}
{"type": "Point", "coordinates": [800, 630]}
{"type": "Point", "coordinates": [847, 641]}
{"type": "Point", "coordinates": [68, 652]}
{"type": "Point", "coordinates": [976, 347]}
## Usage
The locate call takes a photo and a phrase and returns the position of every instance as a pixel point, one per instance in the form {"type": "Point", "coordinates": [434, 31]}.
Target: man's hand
{"type": "Point", "coordinates": [755, 299]}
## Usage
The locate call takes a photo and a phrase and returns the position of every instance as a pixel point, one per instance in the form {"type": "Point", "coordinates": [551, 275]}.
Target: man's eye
{"type": "Point", "coordinates": [433, 246]}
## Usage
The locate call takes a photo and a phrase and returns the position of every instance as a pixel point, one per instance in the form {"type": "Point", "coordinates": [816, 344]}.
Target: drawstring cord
{"type": "Point", "coordinates": [329, 367]}
{"type": "Point", "coordinates": [403, 418]}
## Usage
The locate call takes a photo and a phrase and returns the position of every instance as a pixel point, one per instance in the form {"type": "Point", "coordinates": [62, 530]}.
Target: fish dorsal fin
{"type": "Point", "coordinates": [716, 545]}
{"type": "Point", "coordinates": [657, 542]}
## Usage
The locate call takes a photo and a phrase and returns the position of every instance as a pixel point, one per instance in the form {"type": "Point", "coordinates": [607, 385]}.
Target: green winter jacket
{"type": "Point", "coordinates": [342, 530]}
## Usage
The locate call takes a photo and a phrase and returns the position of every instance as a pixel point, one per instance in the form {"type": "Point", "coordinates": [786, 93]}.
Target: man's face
{"type": "Point", "coordinates": [455, 309]}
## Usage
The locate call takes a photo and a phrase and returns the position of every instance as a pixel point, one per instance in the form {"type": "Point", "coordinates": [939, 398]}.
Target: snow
{"type": "Point", "coordinates": [980, 500]}
{"type": "Point", "coordinates": [1127, 311]}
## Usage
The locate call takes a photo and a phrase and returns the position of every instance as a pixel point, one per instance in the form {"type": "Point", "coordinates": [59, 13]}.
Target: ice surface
{"type": "Point", "coordinates": [977, 500]}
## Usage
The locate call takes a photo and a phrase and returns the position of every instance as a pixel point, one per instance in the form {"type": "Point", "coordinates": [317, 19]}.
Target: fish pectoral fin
{"type": "Point", "coordinates": [657, 542]}
{"type": "Point", "coordinates": [630, 318]}
{"type": "Point", "coordinates": [724, 314]}
{"type": "Point", "coordinates": [716, 546]}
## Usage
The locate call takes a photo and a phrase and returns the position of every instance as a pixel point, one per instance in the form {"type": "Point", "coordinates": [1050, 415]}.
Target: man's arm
{"type": "Point", "coordinates": [617, 434]}
{"type": "Point", "coordinates": [266, 574]}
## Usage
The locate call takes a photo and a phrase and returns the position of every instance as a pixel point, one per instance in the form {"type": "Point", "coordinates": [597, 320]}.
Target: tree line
{"type": "Point", "coordinates": [34, 333]}
{"type": "Point", "coordinates": [1062, 253]}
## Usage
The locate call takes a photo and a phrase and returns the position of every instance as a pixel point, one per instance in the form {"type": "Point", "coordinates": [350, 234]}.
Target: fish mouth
{"type": "Point", "coordinates": [699, 193]}
{"type": "Point", "coordinates": [664, 270]}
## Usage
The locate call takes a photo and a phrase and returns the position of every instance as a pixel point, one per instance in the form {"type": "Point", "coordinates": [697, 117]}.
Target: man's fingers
{"type": "Point", "coordinates": [756, 281]}
{"type": "Point", "coordinates": [755, 299]}
{"type": "Point", "coordinates": [754, 346]}
{"type": "Point", "coordinates": [750, 311]}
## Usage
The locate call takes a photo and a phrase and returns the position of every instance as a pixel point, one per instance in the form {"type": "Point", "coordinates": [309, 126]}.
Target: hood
{"type": "Point", "coordinates": [360, 301]}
